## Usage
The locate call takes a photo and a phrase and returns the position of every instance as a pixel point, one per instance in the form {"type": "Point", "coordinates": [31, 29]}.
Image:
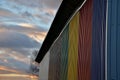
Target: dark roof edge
{"type": "Point", "coordinates": [66, 11]}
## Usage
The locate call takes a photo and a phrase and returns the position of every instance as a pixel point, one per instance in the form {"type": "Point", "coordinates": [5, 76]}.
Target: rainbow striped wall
{"type": "Point", "coordinates": [78, 54]}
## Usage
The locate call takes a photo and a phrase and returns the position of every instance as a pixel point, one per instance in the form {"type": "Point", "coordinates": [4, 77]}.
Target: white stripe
{"type": "Point", "coordinates": [106, 42]}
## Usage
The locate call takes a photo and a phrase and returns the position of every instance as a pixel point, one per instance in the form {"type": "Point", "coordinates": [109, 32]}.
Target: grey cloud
{"type": "Point", "coordinates": [16, 58]}
{"type": "Point", "coordinates": [19, 65]}
{"type": "Point", "coordinates": [14, 39]}
{"type": "Point", "coordinates": [39, 12]}
{"type": "Point", "coordinates": [29, 3]}
{"type": "Point", "coordinates": [25, 51]}
{"type": "Point", "coordinates": [20, 28]}
{"type": "Point", "coordinates": [5, 12]}
{"type": "Point", "coordinates": [39, 3]}
{"type": "Point", "coordinates": [51, 3]}
{"type": "Point", "coordinates": [8, 16]}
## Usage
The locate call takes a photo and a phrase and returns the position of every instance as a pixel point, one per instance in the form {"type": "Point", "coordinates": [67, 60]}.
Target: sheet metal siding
{"type": "Point", "coordinates": [55, 61]}
{"type": "Point", "coordinates": [113, 40]}
{"type": "Point", "coordinates": [64, 54]}
{"type": "Point", "coordinates": [73, 48]}
{"type": "Point", "coordinates": [118, 37]}
{"type": "Point", "coordinates": [98, 39]}
{"type": "Point", "coordinates": [79, 52]}
{"type": "Point", "coordinates": [85, 42]}
{"type": "Point", "coordinates": [58, 68]}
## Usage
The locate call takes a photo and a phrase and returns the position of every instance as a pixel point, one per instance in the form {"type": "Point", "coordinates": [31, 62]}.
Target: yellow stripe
{"type": "Point", "coordinates": [73, 48]}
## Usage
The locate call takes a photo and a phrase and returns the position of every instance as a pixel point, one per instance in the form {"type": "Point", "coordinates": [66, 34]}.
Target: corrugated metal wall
{"type": "Point", "coordinates": [85, 41]}
{"type": "Point", "coordinates": [79, 52]}
{"type": "Point", "coordinates": [113, 40]}
{"type": "Point", "coordinates": [55, 60]}
{"type": "Point", "coordinates": [73, 48]}
{"type": "Point", "coordinates": [58, 65]}
{"type": "Point", "coordinates": [98, 39]}
{"type": "Point", "coordinates": [64, 54]}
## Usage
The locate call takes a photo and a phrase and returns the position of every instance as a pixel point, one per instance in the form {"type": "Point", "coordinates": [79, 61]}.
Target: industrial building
{"type": "Point", "coordinates": [88, 48]}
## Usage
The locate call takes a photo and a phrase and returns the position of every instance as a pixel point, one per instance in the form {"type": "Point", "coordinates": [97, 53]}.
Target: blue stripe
{"type": "Point", "coordinates": [113, 40]}
{"type": "Point", "coordinates": [98, 39]}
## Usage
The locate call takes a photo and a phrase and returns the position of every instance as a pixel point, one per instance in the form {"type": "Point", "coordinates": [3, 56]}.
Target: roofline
{"type": "Point", "coordinates": [66, 11]}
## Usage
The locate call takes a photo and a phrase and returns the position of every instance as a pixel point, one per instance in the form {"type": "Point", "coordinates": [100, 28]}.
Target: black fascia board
{"type": "Point", "coordinates": [66, 11]}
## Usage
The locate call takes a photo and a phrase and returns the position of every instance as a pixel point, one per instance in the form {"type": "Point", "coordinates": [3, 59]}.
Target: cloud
{"type": "Point", "coordinates": [39, 3]}
{"type": "Point", "coordinates": [38, 12]}
{"type": "Point", "coordinates": [23, 27]}
{"type": "Point", "coordinates": [32, 31]}
{"type": "Point", "coordinates": [14, 39]}
{"type": "Point", "coordinates": [54, 4]}
{"type": "Point", "coordinates": [4, 12]}
{"type": "Point", "coordinates": [16, 59]}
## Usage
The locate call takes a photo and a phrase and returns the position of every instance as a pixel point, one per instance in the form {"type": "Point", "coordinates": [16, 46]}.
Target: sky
{"type": "Point", "coordinates": [23, 27]}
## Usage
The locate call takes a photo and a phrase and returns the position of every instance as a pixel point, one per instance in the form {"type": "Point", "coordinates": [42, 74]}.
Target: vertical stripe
{"type": "Point", "coordinates": [85, 42]}
{"type": "Point", "coordinates": [113, 40]}
{"type": "Point", "coordinates": [118, 38]}
{"type": "Point", "coordinates": [98, 39]}
{"type": "Point", "coordinates": [64, 55]}
{"type": "Point", "coordinates": [55, 60]}
{"type": "Point", "coordinates": [73, 48]}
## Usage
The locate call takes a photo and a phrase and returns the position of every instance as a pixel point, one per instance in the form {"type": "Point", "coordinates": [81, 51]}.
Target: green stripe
{"type": "Point", "coordinates": [64, 54]}
{"type": "Point", "coordinates": [55, 60]}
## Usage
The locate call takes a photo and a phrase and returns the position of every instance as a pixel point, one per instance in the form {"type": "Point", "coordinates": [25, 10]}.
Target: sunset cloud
{"type": "Point", "coordinates": [23, 27]}
{"type": "Point", "coordinates": [14, 39]}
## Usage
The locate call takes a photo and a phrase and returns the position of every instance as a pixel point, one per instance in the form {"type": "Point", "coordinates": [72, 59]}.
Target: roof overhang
{"type": "Point", "coordinates": [66, 11]}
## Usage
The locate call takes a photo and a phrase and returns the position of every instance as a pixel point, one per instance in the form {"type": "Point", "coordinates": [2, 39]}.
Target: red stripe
{"type": "Point", "coordinates": [85, 42]}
